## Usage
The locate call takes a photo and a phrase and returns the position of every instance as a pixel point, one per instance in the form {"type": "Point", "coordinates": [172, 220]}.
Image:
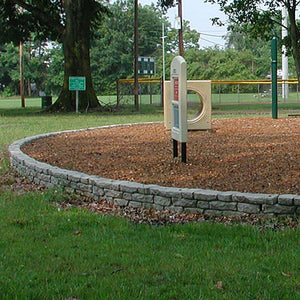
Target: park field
{"type": "Point", "coordinates": [51, 249]}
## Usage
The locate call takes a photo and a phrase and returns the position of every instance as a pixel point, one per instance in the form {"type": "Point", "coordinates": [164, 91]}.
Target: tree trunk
{"type": "Point", "coordinates": [295, 36]}
{"type": "Point", "coordinates": [76, 47]}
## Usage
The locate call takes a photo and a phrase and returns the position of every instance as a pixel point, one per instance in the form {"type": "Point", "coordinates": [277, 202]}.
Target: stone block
{"type": "Point", "coordinates": [188, 193]}
{"type": "Point", "coordinates": [193, 210]}
{"type": "Point", "coordinates": [127, 196]}
{"type": "Point", "coordinates": [176, 209]}
{"type": "Point", "coordinates": [255, 198]}
{"type": "Point", "coordinates": [163, 201]}
{"type": "Point", "coordinates": [158, 207]}
{"type": "Point", "coordinates": [207, 195]}
{"type": "Point", "coordinates": [225, 196]}
{"type": "Point", "coordinates": [112, 193]}
{"type": "Point", "coordinates": [249, 208]}
{"type": "Point", "coordinates": [130, 187]}
{"type": "Point", "coordinates": [120, 202]}
{"type": "Point", "coordinates": [184, 202]}
{"type": "Point", "coordinates": [168, 192]}
{"type": "Point", "coordinates": [142, 198]}
{"type": "Point", "coordinates": [297, 200]}
{"type": "Point", "coordinates": [203, 204]}
{"type": "Point", "coordinates": [98, 191]}
{"type": "Point", "coordinates": [219, 205]}
{"type": "Point", "coordinates": [278, 209]}
{"type": "Point", "coordinates": [135, 204]}
{"type": "Point", "coordinates": [286, 199]}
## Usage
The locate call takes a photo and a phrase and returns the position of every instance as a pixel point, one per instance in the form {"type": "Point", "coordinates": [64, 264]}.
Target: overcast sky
{"type": "Point", "coordinates": [199, 14]}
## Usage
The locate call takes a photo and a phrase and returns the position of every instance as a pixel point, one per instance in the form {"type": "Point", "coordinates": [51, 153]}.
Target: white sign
{"type": "Point", "coordinates": [179, 125]}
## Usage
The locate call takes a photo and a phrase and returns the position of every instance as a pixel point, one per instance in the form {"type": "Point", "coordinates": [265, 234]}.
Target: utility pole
{"type": "Point", "coordinates": [180, 31]}
{"type": "Point", "coordinates": [136, 39]}
{"type": "Point", "coordinates": [21, 61]}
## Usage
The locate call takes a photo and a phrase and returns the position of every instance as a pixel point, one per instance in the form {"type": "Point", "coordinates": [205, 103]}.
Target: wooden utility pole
{"type": "Point", "coordinates": [21, 74]}
{"type": "Point", "coordinates": [180, 31]}
{"type": "Point", "coordinates": [136, 42]}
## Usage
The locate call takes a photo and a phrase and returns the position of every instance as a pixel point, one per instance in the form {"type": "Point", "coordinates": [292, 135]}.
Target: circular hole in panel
{"type": "Point", "coordinates": [194, 104]}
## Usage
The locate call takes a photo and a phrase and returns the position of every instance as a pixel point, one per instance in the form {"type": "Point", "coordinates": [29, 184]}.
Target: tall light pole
{"type": "Point", "coordinates": [136, 42]}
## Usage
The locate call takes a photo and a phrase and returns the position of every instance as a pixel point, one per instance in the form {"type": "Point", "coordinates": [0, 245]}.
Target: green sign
{"type": "Point", "coordinates": [146, 65]}
{"type": "Point", "coordinates": [77, 83]}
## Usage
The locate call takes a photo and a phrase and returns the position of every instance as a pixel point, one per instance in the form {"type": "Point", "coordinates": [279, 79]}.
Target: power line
{"type": "Point", "coordinates": [215, 35]}
{"type": "Point", "coordinates": [210, 42]}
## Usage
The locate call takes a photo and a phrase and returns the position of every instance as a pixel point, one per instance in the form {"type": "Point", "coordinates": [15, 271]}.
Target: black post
{"type": "Point", "coordinates": [175, 148]}
{"type": "Point", "coordinates": [183, 152]}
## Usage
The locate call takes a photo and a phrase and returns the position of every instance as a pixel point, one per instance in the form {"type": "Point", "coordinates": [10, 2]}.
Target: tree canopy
{"type": "Point", "coordinates": [70, 22]}
{"type": "Point", "coordinates": [262, 19]}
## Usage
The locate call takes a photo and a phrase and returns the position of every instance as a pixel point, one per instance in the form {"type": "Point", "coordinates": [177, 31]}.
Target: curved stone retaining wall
{"type": "Point", "coordinates": [125, 193]}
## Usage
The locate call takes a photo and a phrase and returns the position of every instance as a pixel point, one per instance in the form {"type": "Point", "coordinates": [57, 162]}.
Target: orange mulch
{"type": "Point", "coordinates": [240, 154]}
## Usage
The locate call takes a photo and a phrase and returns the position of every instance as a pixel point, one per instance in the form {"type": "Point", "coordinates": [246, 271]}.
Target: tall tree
{"type": "Point", "coordinates": [70, 22]}
{"type": "Point", "coordinates": [112, 46]}
{"type": "Point", "coordinates": [262, 18]}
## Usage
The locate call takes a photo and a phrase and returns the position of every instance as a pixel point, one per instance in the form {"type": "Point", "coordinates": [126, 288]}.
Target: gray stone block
{"type": "Point", "coordinates": [135, 204]}
{"type": "Point", "coordinates": [120, 202]}
{"type": "Point", "coordinates": [98, 191]}
{"type": "Point", "coordinates": [163, 201]}
{"type": "Point", "coordinates": [297, 200]}
{"type": "Point", "coordinates": [278, 209]}
{"type": "Point", "coordinates": [286, 199]}
{"type": "Point", "coordinates": [203, 204]}
{"type": "Point", "coordinates": [225, 196]}
{"type": "Point", "coordinates": [176, 209]}
{"type": "Point", "coordinates": [188, 193]}
{"type": "Point", "coordinates": [112, 193]}
{"type": "Point", "coordinates": [127, 196]}
{"type": "Point", "coordinates": [219, 205]}
{"type": "Point", "coordinates": [193, 210]}
{"type": "Point", "coordinates": [207, 195]}
{"type": "Point", "coordinates": [184, 202]}
{"type": "Point", "coordinates": [255, 198]}
{"type": "Point", "coordinates": [158, 207]}
{"type": "Point", "coordinates": [142, 198]}
{"type": "Point", "coordinates": [248, 208]}
{"type": "Point", "coordinates": [130, 187]}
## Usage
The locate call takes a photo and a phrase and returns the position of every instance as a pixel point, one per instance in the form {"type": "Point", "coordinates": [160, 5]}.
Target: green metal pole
{"type": "Point", "coordinates": [274, 78]}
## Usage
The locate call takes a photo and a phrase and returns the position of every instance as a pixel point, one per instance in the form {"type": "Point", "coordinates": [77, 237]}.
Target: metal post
{"type": "Point", "coordinates": [274, 78]}
{"type": "Point", "coordinates": [136, 33]}
{"type": "Point", "coordinates": [77, 100]}
{"type": "Point", "coordinates": [175, 148]}
{"type": "Point", "coordinates": [183, 152]}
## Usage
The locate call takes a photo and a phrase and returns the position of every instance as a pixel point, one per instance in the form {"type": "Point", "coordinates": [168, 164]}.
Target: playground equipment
{"type": "Point", "coordinates": [202, 120]}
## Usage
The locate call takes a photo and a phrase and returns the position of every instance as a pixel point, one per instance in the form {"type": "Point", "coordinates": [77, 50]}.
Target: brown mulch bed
{"type": "Point", "coordinates": [240, 154]}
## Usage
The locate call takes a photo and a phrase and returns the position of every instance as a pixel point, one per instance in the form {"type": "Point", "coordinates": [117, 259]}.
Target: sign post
{"type": "Point", "coordinates": [178, 106]}
{"type": "Point", "coordinates": [274, 78]}
{"type": "Point", "coordinates": [77, 83]}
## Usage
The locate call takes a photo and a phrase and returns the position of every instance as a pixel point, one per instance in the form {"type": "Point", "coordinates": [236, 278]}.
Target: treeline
{"type": "Point", "coordinates": [112, 54]}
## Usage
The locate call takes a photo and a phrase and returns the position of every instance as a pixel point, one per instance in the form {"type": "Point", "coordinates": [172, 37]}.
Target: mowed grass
{"type": "Point", "coordinates": [50, 253]}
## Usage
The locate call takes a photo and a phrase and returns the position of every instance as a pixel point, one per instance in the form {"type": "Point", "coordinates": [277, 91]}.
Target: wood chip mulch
{"type": "Point", "coordinates": [256, 154]}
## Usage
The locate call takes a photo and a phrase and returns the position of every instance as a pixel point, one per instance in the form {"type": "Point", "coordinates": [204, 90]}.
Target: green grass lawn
{"type": "Point", "coordinates": [50, 253]}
